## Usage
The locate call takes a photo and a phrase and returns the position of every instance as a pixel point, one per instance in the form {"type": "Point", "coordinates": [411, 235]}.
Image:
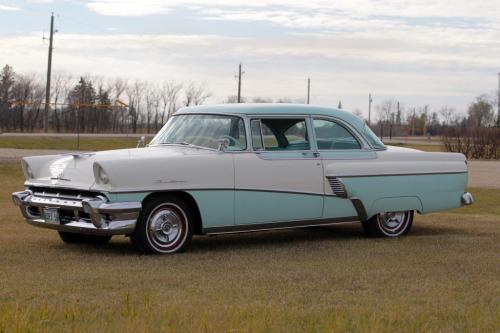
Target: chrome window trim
{"type": "Point", "coordinates": [258, 117]}
{"type": "Point", "coordinates": [365, 145]}
{"type": "Point", "coordinates": [242, 117]}
{"type": "Point", "coordinates": [248, 117]}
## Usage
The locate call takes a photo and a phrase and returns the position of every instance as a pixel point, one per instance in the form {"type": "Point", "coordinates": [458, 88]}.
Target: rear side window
{"type": "Point", "coordinates": [280, 134]}
{"type": "Point", "coordinates": [332, 136]}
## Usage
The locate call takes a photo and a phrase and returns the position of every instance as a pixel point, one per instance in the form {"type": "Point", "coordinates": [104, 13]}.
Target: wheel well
{"type": "Point", "coordinates": [189, 200]}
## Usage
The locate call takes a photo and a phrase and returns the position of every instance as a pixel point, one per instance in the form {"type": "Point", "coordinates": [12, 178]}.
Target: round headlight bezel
{"type": "Point", "coordinates": [28, 172]}
{"type": "Point", "coordinates": [103, 177]}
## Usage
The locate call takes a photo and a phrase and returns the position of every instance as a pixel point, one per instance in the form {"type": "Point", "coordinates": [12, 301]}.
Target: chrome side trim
{"type": "Point", "coordinates": [277, 225]}
{"type": "Point", "coordinates": [337, 186]}
{"type": "Point", "coordinates": [405, 174]}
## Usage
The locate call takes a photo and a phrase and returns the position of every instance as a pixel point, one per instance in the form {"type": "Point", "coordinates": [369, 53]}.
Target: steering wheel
{"type": "Point", "coordinates": [232, 141]}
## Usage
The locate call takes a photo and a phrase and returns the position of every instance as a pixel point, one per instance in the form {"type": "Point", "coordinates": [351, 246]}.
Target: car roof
{"type": "Point", "coordinates": [277, 109]}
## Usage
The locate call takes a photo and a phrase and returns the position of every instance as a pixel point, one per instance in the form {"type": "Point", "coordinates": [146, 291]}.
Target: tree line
{"type": "Point", "coordinates": [91, 104]}
{"type": "Point", "coordinates": [96, 105]}
{"type": "Point", "coordinates": [394, 119]}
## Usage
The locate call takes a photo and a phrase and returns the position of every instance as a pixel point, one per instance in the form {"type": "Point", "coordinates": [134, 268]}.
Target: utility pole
{"type": "Point", "coordinates": [308, 89]}
{"type": "Point", "coordinates": [370, 100]}
{"type": "Point", "coordinates": [49, 71]}
{"type": "Point", "coordinates": [239, 82]}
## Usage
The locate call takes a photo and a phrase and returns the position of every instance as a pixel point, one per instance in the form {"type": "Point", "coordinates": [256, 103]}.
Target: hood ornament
{"type": "Point", "coordinates": [79, 155]}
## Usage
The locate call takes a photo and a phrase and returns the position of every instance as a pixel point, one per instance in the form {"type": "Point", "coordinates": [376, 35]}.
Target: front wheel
{"type": "Point", "coordinates": [389, 224]}
{"type": "Point", "coordinates": [164, 226]}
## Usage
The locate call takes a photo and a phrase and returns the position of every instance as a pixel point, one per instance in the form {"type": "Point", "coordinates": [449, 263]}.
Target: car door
{"type": "Point", "coordinates": [281, 178]}
{"type": "Point", "coordinates": [342, 150]}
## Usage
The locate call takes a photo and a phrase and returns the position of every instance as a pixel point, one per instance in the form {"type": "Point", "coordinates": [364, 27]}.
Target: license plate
{"type": "Point", "coordinates": [51, 215]}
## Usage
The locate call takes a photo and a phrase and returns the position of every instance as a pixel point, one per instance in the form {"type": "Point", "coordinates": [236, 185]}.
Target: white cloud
{"type": "Point", "coordinates": [415, 8]}
{"type": "Point", "coordinates": [128, 8]}
{"type": "Point", "coordinates": [9, 8]}
{"type": "Point", "coordinates": [438, 51]}
{"type": "Point", "coordinates": [342, 67]}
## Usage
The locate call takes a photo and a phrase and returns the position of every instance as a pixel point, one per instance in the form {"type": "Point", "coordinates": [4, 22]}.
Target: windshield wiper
{"type": "Point", "coordinates": [187, 144]}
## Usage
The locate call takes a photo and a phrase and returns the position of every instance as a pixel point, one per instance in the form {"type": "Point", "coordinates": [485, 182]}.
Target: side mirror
{"type": "Point", "coordinates": [223, 144]}
{"type": "Point", "coordinates": [141, 143]}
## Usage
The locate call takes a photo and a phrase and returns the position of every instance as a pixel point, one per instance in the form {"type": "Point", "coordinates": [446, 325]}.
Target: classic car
{"type": "Point", "coordinates": [236, 168]}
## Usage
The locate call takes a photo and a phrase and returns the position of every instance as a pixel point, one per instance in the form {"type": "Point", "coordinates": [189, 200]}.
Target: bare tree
{"type": "Point", "coordinates": [447, 113]}
{"type": "Point", "coordinates": [357, 112]}
{"type": "Point", "coordinates": [135, 95]}
{"type": "Point", "coordinates": [151, 106]}
{"type": "Point", "coordinates": [233, 99]}
{"type": "Point", "coordinates": [117, 88]}
{"type": "Point", "coordinates": [169, 99]}
{"type": "Point", "coordinates": [259, 99]}
{"type": "Point", "coordinates": [60, 89]}
{"type": "Point", "coordinates": [196, 95]}
{"type": "Point", "coordinates": [386, 110]}
{"type": "Point", "coordinates": [480, 112]}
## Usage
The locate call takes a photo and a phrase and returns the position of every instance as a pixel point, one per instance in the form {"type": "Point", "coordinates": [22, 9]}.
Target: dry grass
{"type": "Point", "coordinates": [443, 277]}
{"type": "Point", "coordinates": [69, 143]}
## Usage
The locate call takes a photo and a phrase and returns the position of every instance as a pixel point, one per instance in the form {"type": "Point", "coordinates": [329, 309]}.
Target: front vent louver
{"type": "Point", "coordinates": [337, 186]}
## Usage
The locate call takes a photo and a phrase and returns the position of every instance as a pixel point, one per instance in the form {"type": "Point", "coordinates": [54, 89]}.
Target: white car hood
{"type": "Point", "coordinates": [76, 170]}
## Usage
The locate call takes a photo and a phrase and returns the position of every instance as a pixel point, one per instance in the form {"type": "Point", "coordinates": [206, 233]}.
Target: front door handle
{"type": "Point", "coordinates": [313, 154]}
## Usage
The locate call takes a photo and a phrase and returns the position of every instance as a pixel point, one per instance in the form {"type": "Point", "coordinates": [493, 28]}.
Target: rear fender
{"type": "Point", "coordinates": [395, 204]}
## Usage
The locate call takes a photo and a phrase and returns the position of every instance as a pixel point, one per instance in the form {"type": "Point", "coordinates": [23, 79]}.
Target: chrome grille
{"type": "Point", "coordinates": [55, 197]}
{"type": "Point", "coordinates": [337, 186]}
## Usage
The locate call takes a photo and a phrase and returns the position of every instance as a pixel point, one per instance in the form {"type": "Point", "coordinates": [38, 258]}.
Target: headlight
{"type": "Point", "coordinates": [28, 172]}
{"type": "Point", "coordinates": [103, 176]}
{"type": "Point", "coordinates": [100, 174]}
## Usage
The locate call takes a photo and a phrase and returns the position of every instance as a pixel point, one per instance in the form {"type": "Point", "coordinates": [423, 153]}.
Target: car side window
{"type": "Point", "coordinates": [330, 135]}
{"type": "Point", "coordinates": [280, 134]}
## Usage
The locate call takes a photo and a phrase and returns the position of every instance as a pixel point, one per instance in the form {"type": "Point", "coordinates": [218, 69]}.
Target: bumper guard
{"type": "Point", "coordinates": [117, 218]}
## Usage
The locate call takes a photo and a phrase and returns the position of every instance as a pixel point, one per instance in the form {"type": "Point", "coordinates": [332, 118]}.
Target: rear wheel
{"type": "Point", "coordinates": [164, 226]}
{"type": "Point", "coordinates": [73, 238]}
{"type": "Point", "coordinates": [389, 224]}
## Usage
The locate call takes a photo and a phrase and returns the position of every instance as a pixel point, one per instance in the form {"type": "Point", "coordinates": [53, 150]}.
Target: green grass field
{"type": "Point", "coordinates": [443, 277]}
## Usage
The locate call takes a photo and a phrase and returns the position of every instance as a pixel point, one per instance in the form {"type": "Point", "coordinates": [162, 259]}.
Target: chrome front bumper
{"type": "Point", "coordinates": [467, 199]}
{"type": "Point", "coordinates": [86, 215]}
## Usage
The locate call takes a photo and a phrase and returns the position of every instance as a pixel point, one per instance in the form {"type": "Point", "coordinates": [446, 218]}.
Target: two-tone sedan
{"type": "Point", "coordinates": [235, 168]}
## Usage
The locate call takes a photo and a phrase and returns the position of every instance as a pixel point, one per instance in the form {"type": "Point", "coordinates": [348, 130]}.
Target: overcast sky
{"type": "Point", "coordinates": [437, 52]}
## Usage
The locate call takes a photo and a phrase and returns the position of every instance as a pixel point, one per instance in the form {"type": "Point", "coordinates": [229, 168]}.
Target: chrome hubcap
{"type": "Point", "coordinates": [392, 221]}
{"type": "Point", "coordinates": [165, 226]}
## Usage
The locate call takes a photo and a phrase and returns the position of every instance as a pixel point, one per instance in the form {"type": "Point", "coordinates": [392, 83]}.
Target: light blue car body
{"type": "Point", "coordinates": [375, 180]}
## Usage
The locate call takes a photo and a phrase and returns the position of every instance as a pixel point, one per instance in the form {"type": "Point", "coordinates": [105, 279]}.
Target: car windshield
{"type": "Point", "coordinates": [203, 130]}
{"type": "Point", "coordinates": [373, 139]}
